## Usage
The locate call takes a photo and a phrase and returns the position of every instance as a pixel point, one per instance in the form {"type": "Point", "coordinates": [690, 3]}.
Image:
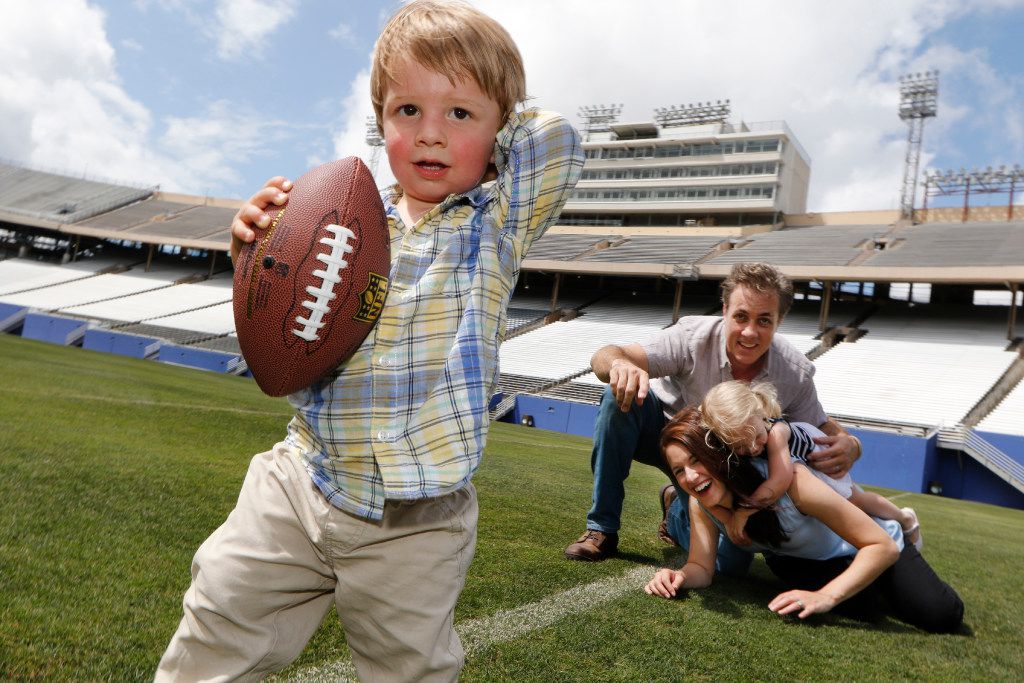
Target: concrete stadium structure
{"type": "Point", "coordinates": [714, 173]}
{"type": "Point", "coordinates": [906, 358]}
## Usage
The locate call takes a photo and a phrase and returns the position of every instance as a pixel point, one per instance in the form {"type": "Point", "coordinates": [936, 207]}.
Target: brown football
{"type": "Point", "coordinates": [311, 286]}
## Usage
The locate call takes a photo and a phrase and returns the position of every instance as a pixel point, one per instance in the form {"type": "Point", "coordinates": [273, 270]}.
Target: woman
{"type": "Point", "coordinates": [816, 541]}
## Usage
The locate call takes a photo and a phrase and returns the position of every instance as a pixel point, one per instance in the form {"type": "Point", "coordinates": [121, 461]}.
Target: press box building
{"type": "Point", "coordinates": [701, 174]}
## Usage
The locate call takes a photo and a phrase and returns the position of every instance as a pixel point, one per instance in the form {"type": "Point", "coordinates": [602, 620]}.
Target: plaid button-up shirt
{"type": "Point", "coordinates": [406, 416]}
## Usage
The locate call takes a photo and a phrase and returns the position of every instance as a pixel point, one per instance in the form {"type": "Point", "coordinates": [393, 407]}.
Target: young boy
{"type": "Point", "coordinates": [368, 500]}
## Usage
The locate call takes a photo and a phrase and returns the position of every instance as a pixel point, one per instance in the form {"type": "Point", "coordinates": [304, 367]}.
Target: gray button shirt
{"type": "Point", "coordinates": [689, 358]}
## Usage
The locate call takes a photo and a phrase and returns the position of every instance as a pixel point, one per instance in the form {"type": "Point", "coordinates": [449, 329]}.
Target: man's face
{"type": "Point", "coordinates": [751, 319]}
{"type": "Point", "coordinates": [439, 136]}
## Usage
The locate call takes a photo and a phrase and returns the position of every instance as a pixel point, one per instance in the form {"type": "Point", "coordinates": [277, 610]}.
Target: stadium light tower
{"type": "Point", "coordinates": [375, 141]}
{"type": "Point", "coordinates": [950, 183]}
{"type": "Point", "coordinates": [597, 118]}
{"type": "Point", "coordinates": [692, 114]}
{"type": "Point", "coordinates": [919, 94]}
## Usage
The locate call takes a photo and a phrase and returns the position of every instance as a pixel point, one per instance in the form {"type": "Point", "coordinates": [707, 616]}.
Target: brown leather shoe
{"type": "Point", "coordinates": [668, 494]}
{"type": "Point", "coordinates": [593, 546]}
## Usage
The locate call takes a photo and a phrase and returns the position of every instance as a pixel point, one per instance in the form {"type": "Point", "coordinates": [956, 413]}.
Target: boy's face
{"type": "Point", "coordinates": [758, 426]}
{"type": "Point", "coordinates": [439, 137]}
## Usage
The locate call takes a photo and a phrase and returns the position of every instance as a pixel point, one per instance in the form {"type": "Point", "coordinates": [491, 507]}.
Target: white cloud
{"type": "Point", "coordinates": [350, 138]}
{"type": "Point", "coordinates": [344, 34]}
{"type": "Point", "coordinates": [243, 24]}
{"type": "Point", "coordinates": [831, 75]}
{"type": "Point", "coordinates": [213, 144]}
{"type": "Point", "coordinates": [65, 109]}
{"type": "Point", "coordinates": [55, 100]}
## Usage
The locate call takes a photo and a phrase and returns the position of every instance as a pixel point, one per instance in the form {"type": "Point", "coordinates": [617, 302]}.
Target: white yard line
{"type": "Point", "coordinates": [141, 402]}
{"type": "Point", "coordinates": [507, 625]}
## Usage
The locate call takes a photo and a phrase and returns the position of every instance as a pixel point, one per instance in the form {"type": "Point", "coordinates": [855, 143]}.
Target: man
{"type": "Point", "coordinates": [686, 360]}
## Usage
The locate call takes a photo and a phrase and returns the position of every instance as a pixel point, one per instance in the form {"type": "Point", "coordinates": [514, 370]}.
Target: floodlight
{"type": "Point", "coordinates": [919, 94]}
{"type": "Point", "coordinates": [375, 141]}
{"type": "Point", "coordinates": [373, 137]}
{"type": "Point", "coordinates": [597, 118]}
{"type": "Point", "coordinates": [693, 114]}
{"type": "Point", "coordinates": [977, 181]}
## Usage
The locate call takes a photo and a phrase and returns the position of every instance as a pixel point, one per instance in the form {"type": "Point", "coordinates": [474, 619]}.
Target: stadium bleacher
{"type": "Point", "coordinates": [817, 245]}
{"type": "Point", "coordinates": [562, 247]}
{"type": "Point", "coordinates": [1005, 418]}
{"type": "Point", "coordinates": [18, 275]}
{"type": "Point", "coordinates": [928, 366]}
{"type": "Point", "coordinates": [953, 244]}
{"type": "Point", "coordinates": [656, 249]}
{"type": "Point", "coordinates": [924, 383]}
{"type": "Point", "coordinates": [70, 294]}
{"type": "Point", "coordinates": [60, 198]}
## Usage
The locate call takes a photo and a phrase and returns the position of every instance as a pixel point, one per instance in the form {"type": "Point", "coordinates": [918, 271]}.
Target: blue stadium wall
{"type": "Point", "coordinates": [895, 461]}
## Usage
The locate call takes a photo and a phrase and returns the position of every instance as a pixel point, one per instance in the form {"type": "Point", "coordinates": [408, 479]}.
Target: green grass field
{"type": "Point", "coordinates": [113, 471]}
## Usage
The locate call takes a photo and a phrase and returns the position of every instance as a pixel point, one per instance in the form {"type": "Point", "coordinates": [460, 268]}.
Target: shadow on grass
{"type": "Point", "coordinates": [732, 596]}
{"type": "Point", "coordinates": [637, 558]}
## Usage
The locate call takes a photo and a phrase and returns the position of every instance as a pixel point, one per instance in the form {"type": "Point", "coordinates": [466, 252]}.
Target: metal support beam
{"type": "Point", "coordinates": [1009, 207]}
{"type": "Point", "coordinates": [826, 300]}
{"type": "Point", "coordinates": [1011, 325]}
{"type": "Point", "coordinates": [915, 133]}
{"type": "Point", "coordinates": [149, 257]}
{"type": "Point", "coordinates": [554, 292]}
{"type": "Point", "coordinates": [678, 301]}
{"type": "Point", "coordinates": [967, 200]}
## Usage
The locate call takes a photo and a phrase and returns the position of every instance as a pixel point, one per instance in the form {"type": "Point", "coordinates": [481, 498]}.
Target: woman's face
{"type": "Point", "coordinates": [695, 479]}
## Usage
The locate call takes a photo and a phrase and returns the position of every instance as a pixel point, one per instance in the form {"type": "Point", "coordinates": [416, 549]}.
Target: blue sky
{"type": "Point", "coordinates": [214, 96]}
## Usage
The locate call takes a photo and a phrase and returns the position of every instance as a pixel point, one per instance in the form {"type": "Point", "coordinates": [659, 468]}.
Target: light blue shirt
{"type": "Point", "coordinates": [809, 537]}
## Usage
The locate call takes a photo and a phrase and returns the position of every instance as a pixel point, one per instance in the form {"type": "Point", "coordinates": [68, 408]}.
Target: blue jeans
{"type": "Point", "coordinates": [619, 439]}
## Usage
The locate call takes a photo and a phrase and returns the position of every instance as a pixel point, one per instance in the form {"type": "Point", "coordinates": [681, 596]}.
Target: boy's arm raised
{"type": "Point", "coordinates": [539, 159]}
{"type": "Point", "coordinates": [780, 467]}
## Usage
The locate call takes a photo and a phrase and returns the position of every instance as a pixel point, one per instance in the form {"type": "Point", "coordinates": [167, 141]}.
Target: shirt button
{"type": "Point", "coordinates": [385, 361]}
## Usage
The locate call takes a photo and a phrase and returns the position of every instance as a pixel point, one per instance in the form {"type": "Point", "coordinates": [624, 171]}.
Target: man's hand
{"type": "Point", "coordinates": [628, 383]}
{"type": "Point", "coordinates": [842, 450]}
{"type": "Point", "coordinates": [252, 213]}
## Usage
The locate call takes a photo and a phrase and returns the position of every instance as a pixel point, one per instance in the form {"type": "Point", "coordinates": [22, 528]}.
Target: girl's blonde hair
{"type": "Point", "coordinates": [728, 408]}
{"type": "Point", "coordinates": [453, 39]}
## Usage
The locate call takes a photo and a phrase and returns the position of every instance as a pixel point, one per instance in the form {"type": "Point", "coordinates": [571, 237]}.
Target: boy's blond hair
{"type": "Point", "coordinates": [455, 40]}
{"type": "Point", "coordinates": [727, 408]}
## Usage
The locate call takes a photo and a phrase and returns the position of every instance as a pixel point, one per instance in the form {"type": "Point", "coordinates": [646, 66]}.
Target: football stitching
{"type": "Point", "coordinates": [254, 275]}
{"type": "Point", "coordinates": [329, 277]}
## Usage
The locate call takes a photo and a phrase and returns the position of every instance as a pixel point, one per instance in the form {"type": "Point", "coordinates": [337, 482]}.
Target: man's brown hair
{"type": "Point", "coordinates": [761, 278]}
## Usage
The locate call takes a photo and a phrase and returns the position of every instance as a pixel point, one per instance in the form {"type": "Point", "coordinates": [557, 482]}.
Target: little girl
{"type": "Point", "coordinates": [747, 419]}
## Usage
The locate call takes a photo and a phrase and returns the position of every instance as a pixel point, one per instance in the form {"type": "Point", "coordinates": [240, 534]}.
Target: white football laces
{"type": "Point", "coordinates": [330, 276]}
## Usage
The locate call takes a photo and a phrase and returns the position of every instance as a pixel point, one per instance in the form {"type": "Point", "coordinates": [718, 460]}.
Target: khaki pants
{"type": "Point", "coordinates": [263, 581]}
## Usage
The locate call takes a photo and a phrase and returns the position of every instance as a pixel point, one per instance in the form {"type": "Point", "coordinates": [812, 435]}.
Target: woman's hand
{"type": "Point", "coordinates": [802, 603]}
{"type": "Point", "coordinates": [666, 583]}
{"type": "Point", "coordinates": [275, 192]}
